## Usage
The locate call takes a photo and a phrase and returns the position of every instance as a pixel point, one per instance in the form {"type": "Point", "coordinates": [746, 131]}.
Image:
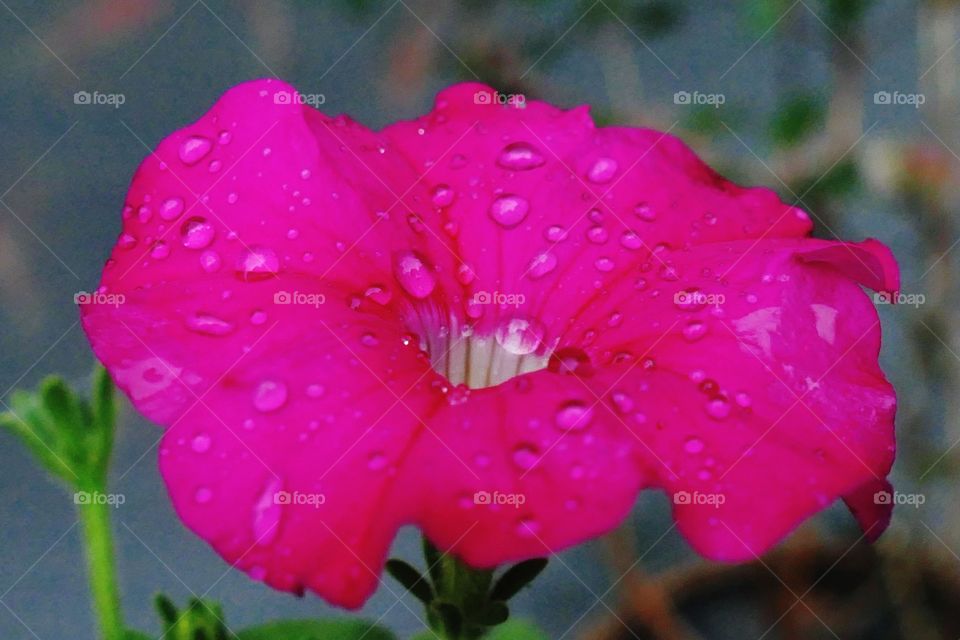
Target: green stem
{"type": "Point", "coordinates": [98, 538]}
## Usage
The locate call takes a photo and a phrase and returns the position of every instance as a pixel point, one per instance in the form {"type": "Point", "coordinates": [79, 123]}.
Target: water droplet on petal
{"type": "Point", "coordinates": [209, 325]}
{"type": "Point", "coordinates": [519, 336]}
{"type": "Point", "coordinates": [160, 250]}
{"type": "Point", "coordinates": [414, 276]}
{"type": "Point", "coordinates": [202, 495]}
{"type": "Point", "coordinates": [597, 235]}
{"type": "Point", "coordinates": [602, 170]}
{"type": "Point", "coordinates": [210, 261]}
{"type": "Point", "coordinates": [520, 156]}
{"type": "Point", "coordinates": [126, 241]}
{"type": "Point", "coordinates": [196, 233]}
{"type": "Point", "coordinates": [442, 195]}
{"type": "Point", "coordinates": [270, 395]}
{"type": "Point", "coordinates": [369, 340]}
{"type": "Point", "coordinates": [630, 240]}
{"type": "Point", "coordinates": [378, 294]}
{"type": "Point", "coordinates": [525, 456]}
{"type": "Point", "coordinates": [258, 263]}
{"type": "Point", "coordinates": [171, 209]}
{"type": "Point", "coordinates": [194, 148]}
{"type": "Point", "coordinates": [377, 461]}
{"type": "Point", "coordinates": [542, 264]}
{"type": "Point", "coordinates": [718, 408]}
{"type": "Point", "coordinates": [555, 233]}
{"type": "Point", "coordinates": [509, 211]}
{"type": "Point", "coordinates": [604, 264]}
{"type": "Point", "coordinates": [694, 331]}
{"type": "Point", "coordinates": [645, 212]}
{"type": "Point", "coordinates": [574, 416]}
{"type": "Point", "coordinates": [693, 445]}
{"type": "Point", "coordinates": [201, 443]}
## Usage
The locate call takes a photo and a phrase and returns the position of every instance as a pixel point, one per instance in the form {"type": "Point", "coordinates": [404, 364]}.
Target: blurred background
{"type": "Point", "coordinates": [848, 108]}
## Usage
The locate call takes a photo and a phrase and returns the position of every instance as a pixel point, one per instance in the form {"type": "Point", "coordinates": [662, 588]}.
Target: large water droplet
{"type": "Point", "coordinates": [525, 456]}
{"type": "Point", "coordinates": [718, 408]}
{"type": "Point", "coordinates": [196, 233]}
{"type": "Point", "coordinates": [194, 148]}
{"type": "Point", "coordinates": [509, 211]}
{"type": "Point", "coordinates": [645, 212]}
{"type": "Point", "coordinates": [542, 264]}
{"type": "Point", "coordinates": [520, 336]}
{"type": "Point", "coordinates": [442, 195]}
{"type": "Point", "coordinates": [171, 209]}
{"type": "Point", "coordinates": [602, 170]}
{"type": "Point", "coordinates": [574, 416]}
{"type": "Point", "coordinates": [520, 156]}
{"type": "Point", "coordinates": [270, 395]}
{"type": "Point", "coordinates": [414, 276]}
{"type": "Point", "coordinates": [258, 263]}
{"type": "Point", "coordinates": [209, 325]}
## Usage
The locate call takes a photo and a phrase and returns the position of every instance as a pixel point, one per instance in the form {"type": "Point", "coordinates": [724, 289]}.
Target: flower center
{"type": "Point", "coordinates": [479, 361]}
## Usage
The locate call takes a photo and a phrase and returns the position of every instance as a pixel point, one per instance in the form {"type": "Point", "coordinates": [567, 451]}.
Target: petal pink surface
{"type": "Point", "coordinates": [497, 324]}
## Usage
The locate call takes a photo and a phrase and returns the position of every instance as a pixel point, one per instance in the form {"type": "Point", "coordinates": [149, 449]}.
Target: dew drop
{"type": "Point", "coordinates": [202, 495]}
{"type": "Point", "coordinates": [694, 331]}
{"type": "Point", "coordinates": [525, 456]}
{"type": "Point", "coordinates": [201, 443]}
{"type": "Point", "coordinates": [442, 195]}
{"type": "Point", "coordinates": [194, 148]}
{"type": "Point", "coordinates": [171, 209]}
{"type": "Point", "coordinates": [509, 211]}
{"type": "Point", "coordinates": [718, 408]}
{"type": "Point", "coordinates": [645, 212]}
{"type": "Point", "coordinates": [693, 445]}
{"type": "Point", "coordinates": [209, 325]}
{"type": "Point", "coordinates": [520, 156]}
{"type": "Point", "coordinates": [196, 233]}
{"type": "Point", "coordinates": [574, 416]}
{"type": "Point", "coordinates": [602, 170]}
{"type": "Point", "coordinates": [160, 250]}
{"type": "Point", "coordinates": [210, 261]}
{"type": "Point", "coordinates": [269, 396]}
{"type": "Point", "coordinates": [413, 275]}
{"type": "Point", "coordinates": [258, 262]}
{"type": "Point", "coordinates": [519, 336]}
{"type": "Point", "coordinates": [542, 264]}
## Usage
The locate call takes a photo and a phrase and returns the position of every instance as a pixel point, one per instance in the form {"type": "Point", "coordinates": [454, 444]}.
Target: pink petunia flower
{"type": "Point", "coordinates": [496, 322]}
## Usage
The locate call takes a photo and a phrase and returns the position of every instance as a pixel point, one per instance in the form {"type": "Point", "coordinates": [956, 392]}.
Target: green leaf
{"type": "Point", "coordinates": [516, 578]}
{"type": "Point", "coordinates": [434, 563]}
{"type": "Point", "coordinates": [494, 613]}
{"type": "Point", "coordinates": [516, 630]}
{"type": "Point", "coordinates": [451, 617]}
{"type": "Point", "coordinates": [316, 630]}
{"type": "Point", "coordinates": [67, 435]}
{"type": "Point", "coordinates": [411, 579]}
